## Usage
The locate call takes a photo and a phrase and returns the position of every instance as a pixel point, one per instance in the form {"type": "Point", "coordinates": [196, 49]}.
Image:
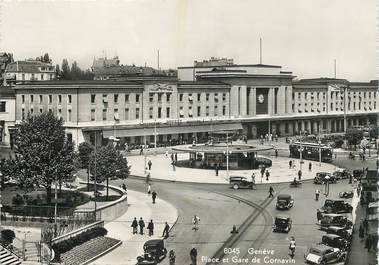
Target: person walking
{"type": "Point", "coordinates": [141, 151]}
{"type": "Point", "coordinates": [166, 154]}
{"type": "Point", "coordinates": [271, 191]}
{"type": "Point", "coordinates": [290, 164]}
{"type": "Point", "coordinates": [149, 164]}
{"type": "Point", "coordinates": [150, 227]}
{"type": "Point", "coordinates": [141, 224]}
{"type": "Point", "coordinates": [173, 165]}
{"type": "Point", "coordinates": [361, 231]}
{"type": "Point", "coordinates": [124, 186]}
{"type": "Point", "coordinates": [193, 255]}
{"type": "Point", "coordinates": [317, 194]}
{"type": "Point", "coordinates": [172, 156]}
{"type": "Point", "coordinates": [154, 196]}
{"type": "Point", "coordinates": [292, 247]}
{"type": "Point", "coordinates": [252, 181]}
{"type": "Point", "coordinates": [276, 153]}
{"type": "Point", "coordinates": [310, 166]}
{"type": "Point", "coordinates": [176, 157]}
{"type": "Point", "coordinates": [171, 257]}
{"type": "Point", "coordinates": [166, 230]}
{"type": "Point", "coordinates": [148, 189]}
{"type": "Point", "coordinates": [216, 168]}
{"type": "Point", "coordinates": [319, 215]}
{"type": "Point", "coordinates": [134, 225]}
{"type": "Point", "coordinates": [267, 174]}
{"type": "Point", "coordinates": [195, 222]}
{"type": "Point", "coordinates": [299, 173]}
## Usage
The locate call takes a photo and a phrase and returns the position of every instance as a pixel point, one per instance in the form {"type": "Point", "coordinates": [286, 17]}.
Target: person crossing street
{"type": "Point", "coordinates": [195, 222]}
{"type": "Point", "coordinates": [134, 225]}
{"type": "Point", "coordinates": [150, 227]}
{"type": "Point", "coordinates": [271, 191]}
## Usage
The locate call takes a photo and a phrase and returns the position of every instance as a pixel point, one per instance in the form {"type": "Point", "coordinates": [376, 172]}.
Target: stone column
{"type": "Point", "coordinates": [243, 101]}
{"type": "Point", "coordinates": [234, 101]}
{"type": "Point", "coordinates": [253, 105]}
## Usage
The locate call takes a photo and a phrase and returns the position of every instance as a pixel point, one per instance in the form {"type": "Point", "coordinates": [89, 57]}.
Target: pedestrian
{"type": "Point", "coordinates": [317, 193]}
{"type": "Point", "coordinates": [172, 156]}
{"type": "Point", "coordinates": [319, 215]}
{"type": "Point", "coordinates": [141, 224]}
{"type": "Point", "coordinates": [134, 225]}
{"type": "Point", "coordinates": [195, 222]}
{"type": "Point", "coordinates": [173, 165]}
{"type": "Point", "coordinates": [150, 227]}
{"type": "Point", "coordinates": [271, 191]}
{"type": "Point", "coordinates": [293, 163]}
{"type": "Point", "coordinates": [310, 166]}
{"type": "Point", "coordinates": [359, 188]}
{"type": "Point", "coordinates": [252, 181]}
{"type": "Point", "coordinates": [368, 243]}
{"type": "Point", "coordinates": [141, 151]}
{"type": "Point", "coordinates": [154, 196]}
{"type": "Point", "coordinates": [147, 177]}
{"type": "Point", "coordinates": [124, 187]}
{"type": "Point", "coordinates": [267, 174]}
{"type": "Point", "coordinates": [193, 255]}
{"type": "Point", "coordinates": [216, 168]}
{"type": "Point", "coordinates": [292, 246]}
{"type": "Point", "coordinates": [361, 231]}
{"type": "Point", "coordinates": [176, 157]}
{"type": "Point", "coordinates": [290, 164]}
{"type": "Point", "coordinates": [335, 155]}
{"type": "Point", "coordinates": [276, 153]}
{"type": "Point", "coordinates": [149, 164]}
{"type": "Point", "coordinates": [166, 154]}
{"type": "Point", "coordinates": [166, 230]}
{"type": "Point", "coordinates": [299, 173]}
{"type": "Point", "coordinates": [172, 257]}
{"type": "Point", "coordinates": [148, 189]}
{"type": "Point", "coordinates": [263, 169]}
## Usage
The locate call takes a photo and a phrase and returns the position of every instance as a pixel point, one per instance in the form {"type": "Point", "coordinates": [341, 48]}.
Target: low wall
{"type": "Point", "coordinates": [112, 210]}
{"type": "Point", "coordinates": [77, 231]}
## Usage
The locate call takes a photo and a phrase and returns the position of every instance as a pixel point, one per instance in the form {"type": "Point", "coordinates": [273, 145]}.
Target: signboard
{"type": "Point", "coordinates": [262, 101]}
{"type": "Point", "coordinates": [162, 88]}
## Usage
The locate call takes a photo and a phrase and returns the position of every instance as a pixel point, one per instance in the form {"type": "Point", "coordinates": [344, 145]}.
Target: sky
{"type": "Point", "coordinates": [303, 36]}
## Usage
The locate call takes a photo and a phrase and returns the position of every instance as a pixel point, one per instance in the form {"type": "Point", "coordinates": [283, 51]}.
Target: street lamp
{"type": "Point", "coordinates": [327, 178]}
{"type": "Point", "coordinates": [301, 153]}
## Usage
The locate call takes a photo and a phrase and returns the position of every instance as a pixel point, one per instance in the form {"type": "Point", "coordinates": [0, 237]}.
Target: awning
{"type": "Point", "coordinates": [171, 130]}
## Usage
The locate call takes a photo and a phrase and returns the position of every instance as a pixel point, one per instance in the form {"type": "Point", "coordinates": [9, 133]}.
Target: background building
{"type": "Point", "coordinates": [29, 70]}
{"type": "Point", "coordinates": [7, 114]}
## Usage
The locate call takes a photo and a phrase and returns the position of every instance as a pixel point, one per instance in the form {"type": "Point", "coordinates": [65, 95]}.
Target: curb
{"type": "Point", "coordinates": [102, 253]}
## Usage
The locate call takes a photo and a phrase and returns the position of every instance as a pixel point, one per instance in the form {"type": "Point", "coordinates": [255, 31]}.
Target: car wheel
{"type": "Point", "coordinates": [235, 186]}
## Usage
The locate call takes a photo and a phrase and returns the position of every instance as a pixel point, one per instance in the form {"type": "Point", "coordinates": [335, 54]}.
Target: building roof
{"type": "Point", "coordinates": [27, 66]}
{"type": "Point", "coordinates": [201, 82]}
{"type": "Point", "coordinates": [234, 65]}
{"type": "Point", "coordinates": [7, 92]}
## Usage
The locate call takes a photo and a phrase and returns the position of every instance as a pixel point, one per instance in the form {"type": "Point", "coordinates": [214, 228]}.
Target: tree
{"type": "Point", "coordinates": [354, 136]}
{"type": "Point", "coordinates": [57, 71]}
{"type": "Point", "coordinates": [42, 151]}
{"type": "Point", "coordinates": [109, 164]}
{"type": "Point", "coordinates": [66, 73]}
{"type": "Point", "coordinates": [46, 58]}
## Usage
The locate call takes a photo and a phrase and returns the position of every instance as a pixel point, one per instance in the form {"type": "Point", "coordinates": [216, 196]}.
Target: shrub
{"type": "Point", "coordinates": [18, 200]}
{"type": "Point", "coordinates": [7, 237]}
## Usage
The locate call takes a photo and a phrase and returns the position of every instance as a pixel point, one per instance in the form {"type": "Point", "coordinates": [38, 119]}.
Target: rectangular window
{"type": "Point", "coordinates": [69, 115]}
{"type": "Point", "coordinates": [137, 98]}
{"type": "Point", "coordinates": [32, 77]}
{"type": "Point", "coordinates": [198, 111]}
{"type": "Point", "coordinates": [216, 97]}
{"type": "Point", "coordinates": [127, 114]}
{"type": "Point", "coordinates": [69, 99]}
{"type": "Point", "coordinates": [31, 98]}
{"type": "Point", "coordinates": [40, 98]}
{"type": "Point", "coordinates": [181, 113]}
{"type": "Point", "coordinates": [2, 106]}
{"type": "Point", "coordinates": [116, 116]}
{"type": "Point", "coordinates": [207, 97]}
{"type": "Point", "coordinates": [151, 97]}
{"type": "Point", "coordinates": [190, 114]}
{"type": "Point", "coordinates": [50, 110]}
{"type": "Point", "coordinates": [223, 110]}
{"type": "Point", "coordinates": [23, 77]}
{"type": "Point", "coordinates": [22, 98]}
{"type": "Point", "coordinates": [223, 96]}
{"type": "Point", "coordinates": [22, 114]}
{"type": "Point", "coordinates": [159, 97]}
{"type": "Point", "coordinates": [216, 111]}
{"type": "Point", "coordinates": [198, 97]}
{"type": "Point", "coordinates": [180, 97]}
{"type": "Point", "coordinates": [159, 112]}
{"type": "Point", "coordinates": [115, 98]}
{"type": "Point", "coordinates": [137, 113]}
{"type": "Point", "coordinates": [126, 98]}
{"type": "Point", "coordinates": [150, 113]}
{"type": "Point", "coordinates": [168, 97]}
{"type": "Point", "coordinates": [31, 111]}
{"type": "Point", "coordinates": [207, 111]}
{"type": "Point", "coordinates": [190, 97]}
{"type": "Point", "coordinates": [167, 112]}
{"type": "Point", "coordinates": [41, 76]}
{"type": "Point", "coordinates": [50, 99]}
{"type": "Point", "coordinates": [93, 115]}
{"type": "Point", "coordinates": [59, 99]}
{"type": "Point", "coordinates": [93, 98]}
{"type": "Point", "coordinates": [40, 110]}
{"type": "Point", "coordinates": [104, 114]}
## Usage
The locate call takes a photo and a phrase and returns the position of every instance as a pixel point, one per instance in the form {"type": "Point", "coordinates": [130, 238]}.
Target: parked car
{"type": "Point", "coordinates": [323, 177]}
{"type": "Point", "coordinates": [346, 194]}
{"type": "Point", "coordinates": [284, 202]}
{"type": "Point", "coordinates": [332, 219]}
{"type": "Point", "coordinates": [283, 223]}
{"type": "Point", "coordinates": [358, 174]}
{"type": "Point", "coordinates": [154, 252]}
{"type": "Point", "coordinates": [240, 182]}
{"type": "Point", "coordinates": [341, 174]}
{"type": "Point", "coordinates": [340, 231]}
{"type": "Point", "coordinates": [336, 206]}
{"type": "Point", "coordinates": [335, 241]}
{"type": "Point", "coordinates": [322, 254]}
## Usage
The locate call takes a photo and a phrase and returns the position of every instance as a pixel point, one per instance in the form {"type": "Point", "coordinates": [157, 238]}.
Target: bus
{"type": "Point", "coordinates": [311, 151]}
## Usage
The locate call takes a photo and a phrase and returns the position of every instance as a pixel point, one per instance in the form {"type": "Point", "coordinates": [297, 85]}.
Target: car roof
{"type": "Point", "coordinates": [282, 216]}
{"type": "Point", "coordinates": [284, 196]}
{"type": "Point", "coordinates": [237, 177]}
{"type": "Point", "coordinates": [333, 214]}
{"type": "Point", "coordinates": [336, 227]}
{"type": "Point", "coordinates": [331, 235]}
{"type": "Point", "coordinates": [321, 247]}
{"type": "Point", "coordinates": [153, 242]}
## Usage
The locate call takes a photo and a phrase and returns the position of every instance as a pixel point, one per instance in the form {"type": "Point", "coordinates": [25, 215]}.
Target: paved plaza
{"type": "Point", "coordinates": [279, 171]}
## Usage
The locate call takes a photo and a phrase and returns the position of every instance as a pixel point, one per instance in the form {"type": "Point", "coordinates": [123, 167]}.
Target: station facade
{"type": "Point", "coordinates": [255, 99]}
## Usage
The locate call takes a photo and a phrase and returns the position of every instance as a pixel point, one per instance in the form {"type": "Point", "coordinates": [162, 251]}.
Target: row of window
{"type": "Point", "coordinates": [115, 98]}
{"type": "Point", "coordinates": [59, 113]}
{"type": "Point", "coordinates": [334, 95]}
{"type": "Point", "coordinates": [367, 106]}
{"type": "Point", "coordinates": [49, 98]}
{"type": "Point", "coordinates": [198, 111]}
{"type": "Point", "coordinates": [191, 96]}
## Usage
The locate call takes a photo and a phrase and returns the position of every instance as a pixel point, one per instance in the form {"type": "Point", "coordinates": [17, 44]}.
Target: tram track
{"type": "Point", "coordinates": [232, 241]}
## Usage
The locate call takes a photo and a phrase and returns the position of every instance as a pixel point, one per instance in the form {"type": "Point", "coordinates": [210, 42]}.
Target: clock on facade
{"type": "Point", "coordinates": [261, 98]}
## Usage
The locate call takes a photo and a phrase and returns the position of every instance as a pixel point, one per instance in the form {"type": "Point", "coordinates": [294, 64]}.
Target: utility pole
{"type": "Point", "coordinates": [155, 136]}
{"type": "Point", "coordinates": [301, 153]}
{"type": "Point", "coordinates": [227, 156]}
{"type": "Point", "coordinates": [144, 152]}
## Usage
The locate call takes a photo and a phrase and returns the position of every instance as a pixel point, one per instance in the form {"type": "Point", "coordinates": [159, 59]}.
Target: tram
{"type": "Point", "coordinates": [310, 151]}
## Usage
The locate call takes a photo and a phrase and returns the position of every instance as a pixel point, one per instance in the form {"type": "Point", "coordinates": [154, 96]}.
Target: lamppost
{"type": "Point", "coordinates": [327, 178]}
{"type": "Point", "coordinates": [144, 151]}
{"type": "Point", "coordinates": [301, 153]}
{"type": "Point", "coordinates": [319, 152]}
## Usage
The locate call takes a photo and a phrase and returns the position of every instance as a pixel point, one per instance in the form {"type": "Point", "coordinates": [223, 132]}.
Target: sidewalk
{"type": "Point", "coordinates": [140, 205]}
{"type": "Point", "coordinates": [279, 171]}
